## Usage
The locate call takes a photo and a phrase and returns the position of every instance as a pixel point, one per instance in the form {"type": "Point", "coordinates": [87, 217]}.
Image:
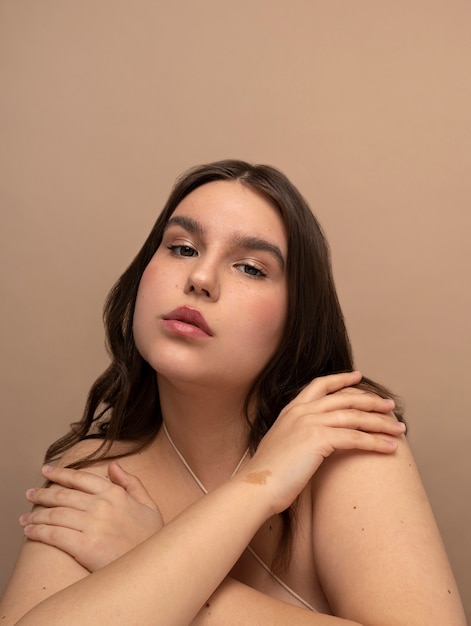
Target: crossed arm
{"type": "Point", "coordinates": [380, 557]}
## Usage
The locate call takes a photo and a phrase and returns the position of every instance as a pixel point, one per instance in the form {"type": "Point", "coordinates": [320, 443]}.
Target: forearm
{"type": "Point", "coordinates": [234, 603]}
{"type": "Point", "coordinates": [167, 578]}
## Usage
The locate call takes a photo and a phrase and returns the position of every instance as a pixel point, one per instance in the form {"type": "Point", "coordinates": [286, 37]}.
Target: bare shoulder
{"type": "Point", "coordinates": [87, 447]}
{"type": "Point", "coordinates": [376, 543]}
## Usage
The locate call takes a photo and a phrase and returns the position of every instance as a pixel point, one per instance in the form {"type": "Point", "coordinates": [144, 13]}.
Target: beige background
{"type": "Point", "coordinates": [366, 106]}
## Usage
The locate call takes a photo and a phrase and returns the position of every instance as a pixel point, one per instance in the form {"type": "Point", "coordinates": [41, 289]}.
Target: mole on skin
{"type": "Point", "coordinates": [257, 478]}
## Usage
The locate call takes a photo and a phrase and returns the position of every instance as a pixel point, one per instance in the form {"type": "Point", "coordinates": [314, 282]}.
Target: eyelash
{"type": "Point", "coordinates": [260, 273]}
{"type": "Point", "coordinates": [177, 251]}
{"type": "Point", "coordinates": [173, 249]}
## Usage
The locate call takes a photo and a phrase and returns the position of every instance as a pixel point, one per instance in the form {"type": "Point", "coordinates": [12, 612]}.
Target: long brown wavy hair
{"type": "Point", "coordinates": [123, 403]}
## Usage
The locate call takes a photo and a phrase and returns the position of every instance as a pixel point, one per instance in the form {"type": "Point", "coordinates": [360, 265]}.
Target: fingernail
{"type": "Point", "coordinates": [47, 468]}
{"type": "Point", "coordinates": [28, 528]}
{"type": "Point", "coordinates": [30, 493]}
{"type": "Point", "coordinates": [24, 518]}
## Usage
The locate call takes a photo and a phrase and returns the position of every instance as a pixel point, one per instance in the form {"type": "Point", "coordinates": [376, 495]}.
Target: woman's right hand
{"type": "Point", "coordinates": [92, 518]}
{"type": "Point", "coordinates": [327, 415]}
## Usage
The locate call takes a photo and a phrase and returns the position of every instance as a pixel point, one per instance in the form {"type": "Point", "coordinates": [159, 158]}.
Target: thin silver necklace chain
{"type": "Point", "coordinates": [249, 547]}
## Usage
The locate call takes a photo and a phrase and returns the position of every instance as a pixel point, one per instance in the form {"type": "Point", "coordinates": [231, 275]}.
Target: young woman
{"type": "Point", "coordinates": [260, 480]}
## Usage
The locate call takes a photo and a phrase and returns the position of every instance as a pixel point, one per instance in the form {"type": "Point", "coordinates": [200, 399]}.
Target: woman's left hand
{"type": "Point", "coordinates": [93, 519]}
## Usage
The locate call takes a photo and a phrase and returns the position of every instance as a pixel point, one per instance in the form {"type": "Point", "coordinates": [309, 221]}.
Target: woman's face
{"type": "Point", "coordinates": [211, 305]}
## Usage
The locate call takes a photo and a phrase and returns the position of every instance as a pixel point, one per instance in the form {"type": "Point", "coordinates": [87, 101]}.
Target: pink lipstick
{"type": "Point", "coordinates": [188, 322]}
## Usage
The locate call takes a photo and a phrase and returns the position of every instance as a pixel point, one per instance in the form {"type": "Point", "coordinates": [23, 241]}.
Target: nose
{"type": "Point", "coordinates": [203, 280]}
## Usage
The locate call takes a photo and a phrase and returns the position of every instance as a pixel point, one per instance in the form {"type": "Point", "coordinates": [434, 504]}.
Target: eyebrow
{"type": "Point", "coordinates": [241, 241]}
{"type": "Point", "coordinates": [189, 224]}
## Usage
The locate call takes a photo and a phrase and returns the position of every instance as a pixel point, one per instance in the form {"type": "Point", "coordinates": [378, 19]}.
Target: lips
{"type": "Point", "coordinates": [190, 316]}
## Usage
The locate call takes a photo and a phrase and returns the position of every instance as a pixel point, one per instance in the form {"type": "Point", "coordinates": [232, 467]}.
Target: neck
{"type": "Point", "coordinates": [208, 427]}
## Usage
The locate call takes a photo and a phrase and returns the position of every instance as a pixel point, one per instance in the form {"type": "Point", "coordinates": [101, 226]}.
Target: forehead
{"type": "Point", "coordinates": [230, 206]}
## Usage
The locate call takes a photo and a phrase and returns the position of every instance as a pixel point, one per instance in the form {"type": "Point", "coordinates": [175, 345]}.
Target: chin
{"type": "Point", "coordinates": [210, 382]}
{"type": "Point", "coordinates": [181, 367]}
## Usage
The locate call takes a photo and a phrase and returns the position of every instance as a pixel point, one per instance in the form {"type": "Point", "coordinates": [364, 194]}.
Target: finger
{"type": "Point", "coordinates": [367, 422]}
{"type": "Point", "coordinates": [70, 541]}
{"type": "Point", "coordinates": [58, 516]}
{"type": "Point", "coordinates": [349, 399]}
{"type": "Point", "coordinates": [131, 484]}
{"type": "Point", "coordinates": [347, 439]}
{"type": "Point", "coordinates": [56, 496]}
{"type": "Point", "coordinates": [81, 480]}
{"type": "Point", "coordinates": [324, 385]}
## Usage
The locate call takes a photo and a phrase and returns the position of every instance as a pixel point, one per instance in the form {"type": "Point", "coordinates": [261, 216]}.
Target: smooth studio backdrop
{"type": "Point", "coordinates": [364, 104]}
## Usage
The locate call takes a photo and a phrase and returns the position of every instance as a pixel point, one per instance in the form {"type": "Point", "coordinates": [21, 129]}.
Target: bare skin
{"type": "Point", "coordinates": [337, 475]}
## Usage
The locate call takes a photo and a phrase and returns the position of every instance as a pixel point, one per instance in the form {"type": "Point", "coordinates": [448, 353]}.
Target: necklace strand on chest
{"type": "Point", "coordinates": [187, 465]}
{"type": "Point", "coordinates": [249, 547]}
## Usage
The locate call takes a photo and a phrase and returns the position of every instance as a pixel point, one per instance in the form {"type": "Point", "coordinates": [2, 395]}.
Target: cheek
{"type": "Point", "coordinates": [147, 297]}
{"type": "Point", "coordinates": [155, 281]}
{"type": "Point", "coordinates": [267, 321]}
{"type": "Point", "coordinates": [144, 293]}
{"type": "Point", "coordinates": [149, 278]}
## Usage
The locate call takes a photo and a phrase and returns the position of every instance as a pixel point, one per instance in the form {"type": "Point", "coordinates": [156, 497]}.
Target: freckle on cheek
{"type": "Point", "coordinates": [258, 478]}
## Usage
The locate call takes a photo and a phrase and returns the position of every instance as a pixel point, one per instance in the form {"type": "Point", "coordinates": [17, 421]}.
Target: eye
{"type": "Point", "coordinates": [251, 270]}
{"type": "Point", "coordinates": [181, 250]}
